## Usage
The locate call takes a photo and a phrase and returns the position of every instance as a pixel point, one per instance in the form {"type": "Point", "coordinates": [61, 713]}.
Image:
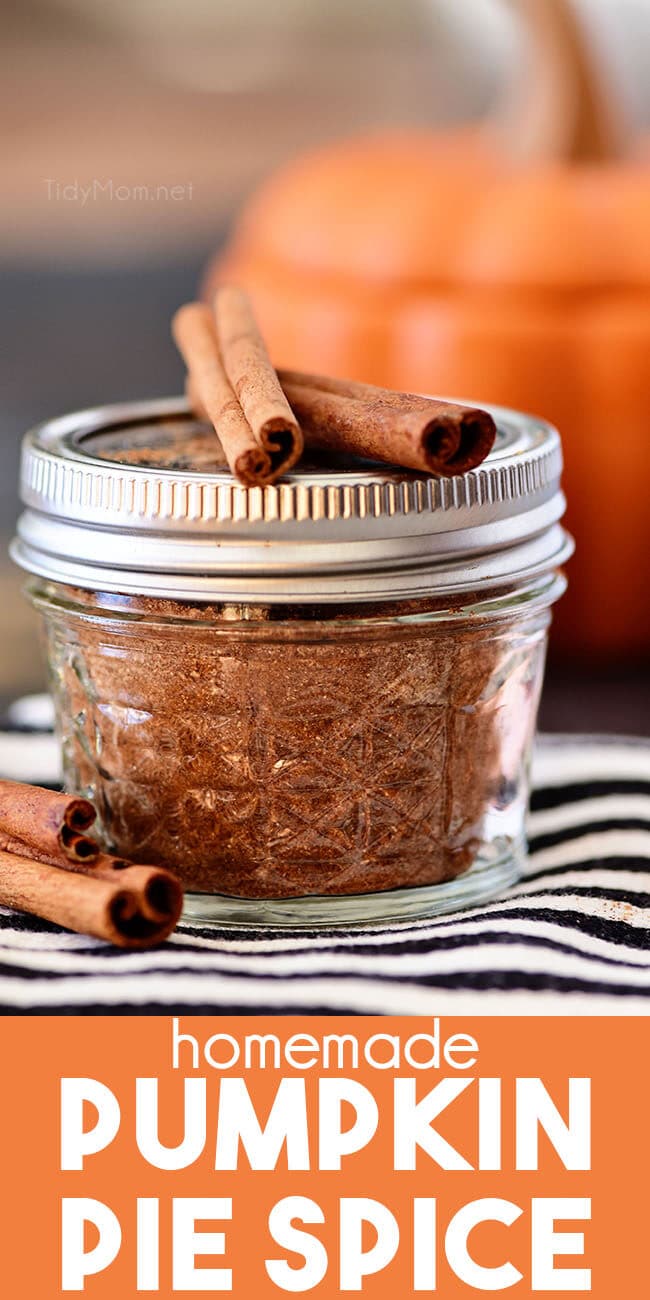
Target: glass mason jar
{"type": "Point", "coordinates": [314, 701]}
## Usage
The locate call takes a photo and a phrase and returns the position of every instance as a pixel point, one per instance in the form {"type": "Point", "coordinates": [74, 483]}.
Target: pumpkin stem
{"type": "Point", "coordinates": [558, 107]}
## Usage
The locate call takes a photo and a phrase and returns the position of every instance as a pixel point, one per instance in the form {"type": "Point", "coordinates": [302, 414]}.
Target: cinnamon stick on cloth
{"type": "Point", "coordinates": [233, 382]}
{"type": "Point", "coordinates": [130, 906]}
{"type": "Point", "coordinates": [43, 824]}
{"type": "Point", "coordinates": [420, 433]}
{"type": "Point", "coordinates": [50, 867]}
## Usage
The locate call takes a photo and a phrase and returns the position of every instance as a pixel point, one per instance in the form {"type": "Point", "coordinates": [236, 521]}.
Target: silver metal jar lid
{"type": "Point", "coordinates": [107, 509]}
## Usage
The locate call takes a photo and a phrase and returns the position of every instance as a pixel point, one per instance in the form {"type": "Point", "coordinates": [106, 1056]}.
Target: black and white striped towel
{"type": "Point", "coordinates": [573, 937]}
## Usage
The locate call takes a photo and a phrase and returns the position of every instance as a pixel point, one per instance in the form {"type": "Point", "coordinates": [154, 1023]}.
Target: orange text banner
{"type": "Point", "coordinates": [267, 1156]}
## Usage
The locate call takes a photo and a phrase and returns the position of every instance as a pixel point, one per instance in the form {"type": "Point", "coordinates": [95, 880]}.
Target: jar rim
{"type": "Point", "coordinates": [532, 597]}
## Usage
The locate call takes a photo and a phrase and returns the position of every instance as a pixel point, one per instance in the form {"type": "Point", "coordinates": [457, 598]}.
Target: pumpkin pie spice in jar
{"type": "Point", "coordinates": [315, 701]}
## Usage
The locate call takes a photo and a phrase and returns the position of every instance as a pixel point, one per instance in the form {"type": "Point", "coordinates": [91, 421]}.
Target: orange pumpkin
{"type": "Point", "coordinates": [509, 264]}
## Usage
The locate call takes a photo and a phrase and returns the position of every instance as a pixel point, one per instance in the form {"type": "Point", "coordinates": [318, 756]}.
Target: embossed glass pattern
{"type": "Point", "coordinates": [283, 756]}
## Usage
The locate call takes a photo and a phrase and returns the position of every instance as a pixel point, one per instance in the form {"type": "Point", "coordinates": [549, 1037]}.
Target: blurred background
{"type": "Point", "coordinates": [432, 195]}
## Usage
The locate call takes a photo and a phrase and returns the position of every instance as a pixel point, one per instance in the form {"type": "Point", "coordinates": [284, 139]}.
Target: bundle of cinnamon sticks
{"type": "Point", "coordinates": [50, 866]}
{"type": "Point", "coordinates": [264, 417]}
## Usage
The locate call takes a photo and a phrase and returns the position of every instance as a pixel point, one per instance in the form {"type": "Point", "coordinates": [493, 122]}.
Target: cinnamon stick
{"type": "Point", "coordinates": [254, 380]}
{"type": "Point", "coordinates": [130, 906]}
{"type": "Point", "coordinates": [233, 382]}
{"type": "Point", "coordinates": [195, 334]}
{"type": "Point", "coordinates": [420, 433]}
{"type": "Point", "coordinates": [46, 825]}
{"type": "Point", "coordinates": [49, 866]}
{"type": "Point", "coordinates": [434, 437]}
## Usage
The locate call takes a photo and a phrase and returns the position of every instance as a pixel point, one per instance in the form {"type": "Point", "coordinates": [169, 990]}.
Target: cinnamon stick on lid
{"type": "Point", "coordinates": [259, 414]}
{"type": "Point", "coordinates": [231, 380]}
{"type": "Point", "coordinates": [255, 381]}
{"type": "Point", "coordinates": [212, 394]}
{"type": "Point", "coordinates": [420, 433]}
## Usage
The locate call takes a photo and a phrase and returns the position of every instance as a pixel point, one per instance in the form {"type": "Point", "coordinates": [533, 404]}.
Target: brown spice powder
{"type": "Point", "coordinates": [281, 752]}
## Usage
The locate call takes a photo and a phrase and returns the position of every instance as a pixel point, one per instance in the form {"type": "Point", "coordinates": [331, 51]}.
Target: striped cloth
{"type": "Point", "coordinates": [573, 937]}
